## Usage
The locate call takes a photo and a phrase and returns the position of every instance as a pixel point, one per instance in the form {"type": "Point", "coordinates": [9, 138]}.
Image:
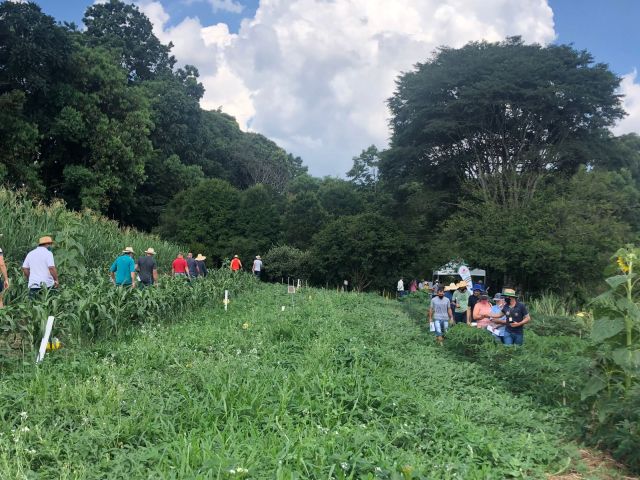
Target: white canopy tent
{"type": "Point", "coordinates": [451, 269]}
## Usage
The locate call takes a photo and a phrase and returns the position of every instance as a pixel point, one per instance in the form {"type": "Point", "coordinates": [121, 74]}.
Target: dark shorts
{"type": "Point", "coordinates": [460, 317]}
{"type": "Point", "coordinates": [34, 292]}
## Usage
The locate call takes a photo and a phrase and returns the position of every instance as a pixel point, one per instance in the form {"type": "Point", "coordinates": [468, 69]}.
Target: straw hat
{"type": "Point", "coordinates": [509, 292]}
{"type": "Point", "coordinates": [128, 250]}
{"type": "Point", "coordinates": [235, 256]}
{"type": "Point", "coordinates": [258, 257]}
{"type": "Point", "coordinates": [45, 240]}
{"type": "Point", "coordinates": [461, 284]}
{"type": "Point", "coordinates": [200, 257]}
{"type": "Point", "coordinates": [150, 250]}
{"type": "Point", "coordinates": [451, 286]}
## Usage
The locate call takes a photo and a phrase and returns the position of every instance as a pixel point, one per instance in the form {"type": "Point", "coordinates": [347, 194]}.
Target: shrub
{"type": "Point", "coordinates": [468, 341]}
{"type": "Point", "coordinates": [285, 261]}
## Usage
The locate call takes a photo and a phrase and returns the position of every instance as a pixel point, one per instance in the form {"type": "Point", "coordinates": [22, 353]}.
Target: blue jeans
{"type": "Point", "coordinates": [441, 327]}
{"type": "Point", "coordinates": [511, 338]}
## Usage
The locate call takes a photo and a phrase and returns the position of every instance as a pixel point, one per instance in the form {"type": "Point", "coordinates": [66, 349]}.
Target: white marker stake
{"type": "Point", "coordinates": [45, 340]}
{"type": "Point", "coordinates": [226, 299]}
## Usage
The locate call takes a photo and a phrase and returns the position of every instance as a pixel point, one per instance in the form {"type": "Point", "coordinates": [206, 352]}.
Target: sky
{"type": "Point", "coordinates": [314, 75]}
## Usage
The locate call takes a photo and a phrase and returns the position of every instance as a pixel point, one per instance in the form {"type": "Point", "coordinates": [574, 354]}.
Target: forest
{"type": "Point", "coordinates": [500, 154]}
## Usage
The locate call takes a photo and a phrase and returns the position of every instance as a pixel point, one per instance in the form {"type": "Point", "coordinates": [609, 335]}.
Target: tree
{"type": "Point", "coordinates": [123, 27]}
{"type": "Point", "coordinates": [339, 198]}
{"type": "Point", "coordinates": [366, 250]}
{"type": "Point", "coordinates": [364, 172]}
{"type": "Point", "coordinates": [503, 115]}
{"type": "Point", "coordinates": [303, 218]}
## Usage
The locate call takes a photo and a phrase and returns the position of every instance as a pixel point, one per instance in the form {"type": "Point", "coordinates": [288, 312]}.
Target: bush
{"type": "Point", "coordinates": [285, 261]}
{"type": "Point", "coordinates": [469, 342]}
{"type": "Point", "coordinates": [555, 325]}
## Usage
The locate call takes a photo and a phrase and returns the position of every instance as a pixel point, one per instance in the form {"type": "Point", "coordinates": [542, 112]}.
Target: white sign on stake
{"type": "Point", "coordinates": [45, 340]}
{"type": "Point", "coordinates": [226, 299]}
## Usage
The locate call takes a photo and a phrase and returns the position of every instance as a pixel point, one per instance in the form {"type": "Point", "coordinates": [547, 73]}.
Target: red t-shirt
{"type": "Point", "coordinates": [179, 265]}
{"type": "Point", "coordinates": [235, 264]}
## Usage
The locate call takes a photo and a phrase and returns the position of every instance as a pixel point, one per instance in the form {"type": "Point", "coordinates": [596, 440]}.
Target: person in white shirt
{"type": "Point", "coordinates": [39, 268]}
{"type": "Point", "coordinates": [400, 288]}
{"type": "Point", "coordinates": [257, 266]}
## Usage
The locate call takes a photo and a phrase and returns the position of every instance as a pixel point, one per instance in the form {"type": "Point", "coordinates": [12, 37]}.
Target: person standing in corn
{"type": "Point", "coordinates": [123, 269]}
{"type": "Point", "coordinates": [39, 268]}
{"type": "Point", "coordinates": [148, 269]}
{"type": "Point", "coordinates": [3, 285]}
{"type": "Point", "coordinates": [236, 264]}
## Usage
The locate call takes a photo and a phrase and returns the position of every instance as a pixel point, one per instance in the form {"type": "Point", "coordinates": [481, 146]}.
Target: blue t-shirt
{"type": "Point", "coordinates": [515, 314]}
{"type": "Point", "coordinates": [123, 267]}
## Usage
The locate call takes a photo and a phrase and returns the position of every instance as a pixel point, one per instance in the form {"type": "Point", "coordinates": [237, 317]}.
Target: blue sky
{"type": "Point", "coordinates": [314, 75]}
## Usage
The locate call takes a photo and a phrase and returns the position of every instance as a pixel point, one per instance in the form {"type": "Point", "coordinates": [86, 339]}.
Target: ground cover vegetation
{"type": "Point", "coordinates": [498, 150]}
{"type": "Point", "coordinates": [333, 385]}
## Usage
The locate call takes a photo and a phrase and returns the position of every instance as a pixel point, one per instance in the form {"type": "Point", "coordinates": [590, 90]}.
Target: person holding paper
{"type": "Point", "coordinates": [517, 316]}
{"type": "Point", "coordinates": [440, 314]}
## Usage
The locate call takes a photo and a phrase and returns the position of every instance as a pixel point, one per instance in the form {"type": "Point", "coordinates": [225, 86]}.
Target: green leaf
{"type": "Point", "coordinates": [627, 359]}
{"type": "Point", "coordinates": [616, 281]}
{"type": "Point", "coordinates": [605, 327]}
{"type": "Point", "coordinates": [593, 386]}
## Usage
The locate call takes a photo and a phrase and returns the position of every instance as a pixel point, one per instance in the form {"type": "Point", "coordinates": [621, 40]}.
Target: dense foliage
{"type": "Point", "coordinates": [336, 385]}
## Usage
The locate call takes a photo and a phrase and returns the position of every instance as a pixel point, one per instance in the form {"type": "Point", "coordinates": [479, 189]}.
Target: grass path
{"type": "Point", "coordinates": [339, 386]}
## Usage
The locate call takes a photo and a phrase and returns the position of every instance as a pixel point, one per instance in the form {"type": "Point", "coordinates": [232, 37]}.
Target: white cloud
{"type": "Point", "coordinates": [315, 74]}
{"type": "Point", "coordinates": [226, 5]}
{"type": "Point", "coordinates": [631, 102]}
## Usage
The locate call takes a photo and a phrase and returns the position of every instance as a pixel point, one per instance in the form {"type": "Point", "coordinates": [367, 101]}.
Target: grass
{"type": "Point", "coordinates": [334, 386]}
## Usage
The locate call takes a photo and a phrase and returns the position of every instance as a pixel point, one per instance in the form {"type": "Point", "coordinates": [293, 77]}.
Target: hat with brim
{"type": "Point", "coordinates": [509, 292]}
{"type": "Point", "coordinates": [461, 284]}
{"type": "Point", "coordinates": [258, 257]}
{"type": "Point", "coordinates": [128, 250]}
{"type": "Point", "coordinates": [45, 240]}
{"type": "Point", "coordinates": [451, 286]}
{"type": "Point", "coordinates": [497, 297]}
{"type": "Point", "coordinates": [200, 257]}
{"type": "Point", "coordinates": [150, 251]}
{"type": "Point", "coordinates": [235, 256]}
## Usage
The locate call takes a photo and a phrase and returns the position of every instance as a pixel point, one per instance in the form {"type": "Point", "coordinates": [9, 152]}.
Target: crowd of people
{"type": "Point", "coordinates": [504, 316]}
{"type": "Point", "coordinates": [41, 273]}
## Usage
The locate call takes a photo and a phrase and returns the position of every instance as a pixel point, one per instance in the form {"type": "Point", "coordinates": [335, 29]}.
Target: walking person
{"type": "Point", "coordinates": [482, 311]}
{"type": "Point", "coordinates": [440, 314]}
{"type": "Point", "coordinates": [496, 329]}
{"type": "Point", "coordinates": [5, 284]}
{"type": "Point", "coordinates": [257, 267]}
{"type": "Point", "coordinates": [236, 264]}
{"type": "Point", "coordinates": [148, 269]}
{"type": "Point", "coordinates": [179, 267]}
{"type": "Point", "coordinates": [461, 302]}
{"type": "Point", "coordinates": [516, 317]}
{"type": "Point", "coordinates": [400, 288]}
{"type": "Point", "coordinates": [202, 267]}
{"type": "Point", "coordinates": [471, 304]}
{"type": "Point", "coordinates": [39, 268]}
{"type": "Point", "coordinates": [192, 265]}
{"type": "Point", "coordinates": [123, 269]}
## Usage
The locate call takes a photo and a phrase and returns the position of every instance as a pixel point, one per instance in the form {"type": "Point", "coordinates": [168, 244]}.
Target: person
{"type": "Point", "coordinates": [420, 285]}
{"type": "Point", "coordinates": [39, 268]}
{"type": "Point", "coordinates": [448, 291]}
{"type": "Point", "coordinates": [192, 265]}
{"type": "Point", "coordinates": [257, 267]}
{"type": "Point", "coordinates": [473, 299]}
{"type": "Point", "coordinates": [202, 267]}
{"type": "Point", "coordinates": [236, 264]}
{"type": "Point", "coordinates": [482, 311]}
{"type": "Point", "coordinates": [148, 269]}
{"type": "Point", "coordinates": [400, 288]}
{"type": "Point", "coordinates": [440, 314]}
{"type": "Point", "coordinates": [179, 267]}
{"type": "Point", "coordinates": [3, 285]}
{"type": "Point", "coordinates": [413, 286]}
{"type": "Point", "coordinates": [461, 301]}
{"type": "Point", "coordinates": [123, 269]}
{"type": "Point", "coordinates": [496, 329]}
{"type": "Point", "coordinates": [516, 317]}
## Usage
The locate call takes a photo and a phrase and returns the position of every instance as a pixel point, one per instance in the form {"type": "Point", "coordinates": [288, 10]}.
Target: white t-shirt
{"type": "Point", "coordinates": [38, 262]}
{"type": "Point", "coordinates": [400, 286]}
{"type": "Point", "coordinates": [257, 265]}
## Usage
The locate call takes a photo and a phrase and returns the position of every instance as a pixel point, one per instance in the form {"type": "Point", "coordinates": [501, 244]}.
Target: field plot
{"type": "Point", "coordinates": [333, 386]}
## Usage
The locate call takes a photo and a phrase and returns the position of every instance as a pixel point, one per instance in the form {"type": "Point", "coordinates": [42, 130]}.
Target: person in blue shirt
{"type": "Point", "coordinates": [123, 269]}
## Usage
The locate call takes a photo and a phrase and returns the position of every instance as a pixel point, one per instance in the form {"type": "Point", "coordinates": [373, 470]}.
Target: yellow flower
{"type": "Point", "coordinates": [623, 266]}
{"type": "Point", "coordinates": [580, 314]}
{"type": "Point", "coordinates": [245, 325]}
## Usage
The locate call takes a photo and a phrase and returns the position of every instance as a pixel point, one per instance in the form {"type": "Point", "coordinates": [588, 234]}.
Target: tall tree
{"type": "Point", "coordinates": [123, 27]}
{"type": "Point", "coordinates": [502, 114]}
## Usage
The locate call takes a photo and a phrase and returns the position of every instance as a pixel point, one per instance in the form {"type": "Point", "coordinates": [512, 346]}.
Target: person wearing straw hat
{"type": "Point", "coordinates": [236, 264]}
{"type": "Point", "coordinates": [448, 291]}
{"type": "Point", "coordinates": [202, 267]}
{"type": "Point", "coordinates": [461, 302]}
{"type": "Point", "coordinates": [39, 268]}
{"type": "Point", "coordinates": [257, 267]}
{"type": "Point", "coordinates": [516, 317]}
{"type": "Point", "coordinates": [3, 285]}
{"type": "Point", "coordinates": [148, 269]}
{"type": "Point", "coordinates": [123, 269]}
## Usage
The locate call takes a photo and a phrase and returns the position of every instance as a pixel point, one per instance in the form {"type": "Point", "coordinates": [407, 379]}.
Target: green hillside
{"type": "Point", "coordinates": [332, 386]}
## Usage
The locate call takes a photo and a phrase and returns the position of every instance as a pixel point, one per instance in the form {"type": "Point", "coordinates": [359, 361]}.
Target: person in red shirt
{"type": "Point", "coordinates": [179, 266]}
{"type": "Point", "coordinates": [236, 264]}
